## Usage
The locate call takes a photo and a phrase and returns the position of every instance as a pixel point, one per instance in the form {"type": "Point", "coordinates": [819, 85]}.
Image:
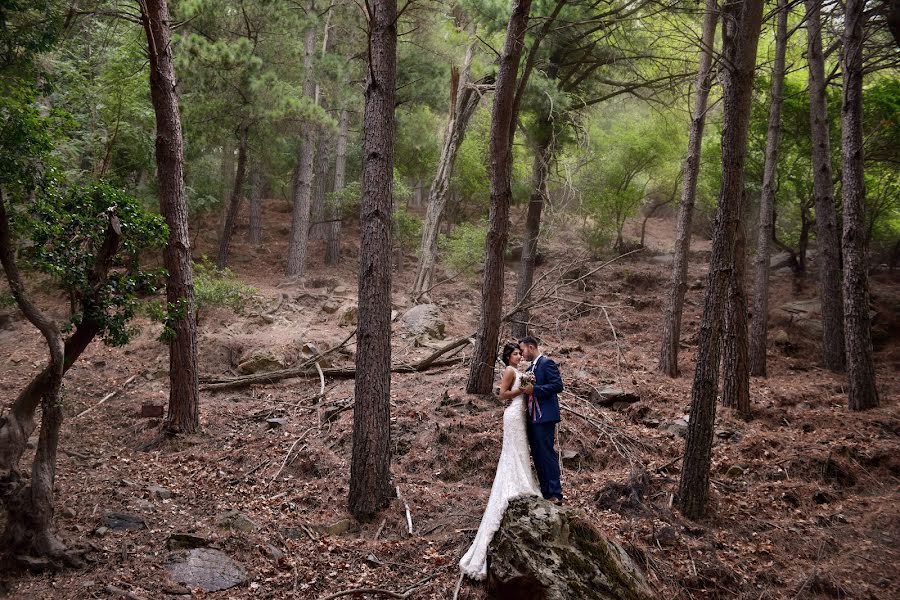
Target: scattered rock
{"type": "Point", "coordinates": [330, 307]}
{"type": "Point", "coordinates": [339, 527]}
{"type": "Point", "coordinates": [160, 493]}
{"type": "Point", "coordinates": [734, 471]}
{"type": "Point", "coordinates": [609, 396]}
{"type": "Point", "coordinates": [666, 536]}
{"type": "Point", "coordinates": [542, 551]}
{"type": "Point", "coordinates": [260, 363]}
{"type": "Point", "coordinates": [67, 512]}
{"type": "Point", "coordinates": [236, 521]}
{"type": "Point", "coordinates": [571, 457]}
{"type": "Point", "coordinates": [679, 426]}
{"type": "Point", "coordinates": [175, 589]}
{"type": "Point", "coordinates": [781, 338]}
{"type": "Point", "coordinates": [211, 570]}
{"type": "Point", "coordinates": [292, 533]}
{"type": "Point", "coordinates": [101, 531]}
{"type": "Point", "coordinates": [114, 520]}
{"type": "Point", "coordinates": [274, 553]}
{"type": "Point", "coordinates": [276, 422]}
{"type": "Point", "coordinates": [186, 541]}
{"type": "Point", "coordinates": [341, 290]}
{"type": "Point", "coordinates": [349, 316]}
{"type": "Point", "coordinates": [698, 284]}
{"type": "Point", "coordinates": [424, 319]}
{"type": "Point", "coordinates": [778, 474]}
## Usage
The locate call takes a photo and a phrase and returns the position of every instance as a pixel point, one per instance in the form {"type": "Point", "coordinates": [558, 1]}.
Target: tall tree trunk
{"type": "Point", "coordinates": [370, 487]}
{"type": "Point", "coordinates": [320, 189]}
{"type": "Point", "coordinates": [760, 323]}
{"type": "Point", "coordinates": [736, 365]}
{"type": "Point", "coordinates": [481, 375]}
{"type": "Point", "coordinates": [827, 237]}
{"type": "Point", "coordinates": [254, 232]}
{"type": "Point", "coordinates": [303, 173]}
{"type": "Point", "coordinates": [184, 393]}
{"type": "Point", "coordinates": [741, 22]}
{"type": "Point", "coordinates": [668, 356]}
{"type": "Point", "coordinates": [862, 391]}
{"type": "Point", "coordinates": [333, 232]}
{"type": "Point", "coordinates": [237, 191]}
{"type": "Point", "coordinates": [540, 171]}
{"type": "Point", "coordinates": [464, 101]}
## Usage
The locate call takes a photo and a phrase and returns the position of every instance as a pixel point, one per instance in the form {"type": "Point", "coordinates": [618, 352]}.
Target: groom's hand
{"type": "Point", "coordinates": [528, 389]}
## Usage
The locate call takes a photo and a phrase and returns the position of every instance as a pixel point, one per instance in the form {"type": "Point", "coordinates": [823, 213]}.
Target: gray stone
{"type": "Point", "coordinates": [349, 316]}
{"type": "Point", "coordinates": [341, 291]}
{"type": "Point", "coordinates": [610, 395]}
{"type": "Point", "coordinates": [274, 553]}
{"type": "Point", "coordinates": [114, 520]}
{"type": "Point", "coordinates": [330, 307]}
{"type": "Point", "coordinates": [236, 521]}
{"type": "Point", "coordinates": [260, 363]}
{"type": "Point", "coordinates": [544, 551]}
{"type": "Point", "coordinates": [423, 319]}
{"type": "Point", "coordinates": [734, 471]}
{"type": "Point", "coordinates": [679, 426]}
{"type": "Point", "coordinates": [211, 570]}
{"type": "Point", "coordinates": [276, 422]}
{"type": "Point", "coordinates": [186, 541]}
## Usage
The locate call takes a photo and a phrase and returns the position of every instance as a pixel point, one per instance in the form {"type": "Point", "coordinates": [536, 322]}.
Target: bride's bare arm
{"type": "Point", "coordinates": [506, 383]}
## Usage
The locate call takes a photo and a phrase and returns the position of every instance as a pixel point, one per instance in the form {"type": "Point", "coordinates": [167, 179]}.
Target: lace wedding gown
{"type": "Point", "coordinates": [514, 478]}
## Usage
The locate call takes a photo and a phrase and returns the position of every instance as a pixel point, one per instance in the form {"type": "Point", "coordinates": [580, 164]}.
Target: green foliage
{"type": "Point", "coordinates": [407, 228]}
{"type": "Point", "coordinates": [219, 288]}
{"type": "Point", "coordinates": [463, 248]}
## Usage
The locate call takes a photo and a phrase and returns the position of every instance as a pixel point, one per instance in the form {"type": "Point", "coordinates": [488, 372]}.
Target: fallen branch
{"type": "Point", "coordinates": [108, 396]}
{"type": "Point", "coordinates": [409, 522]}
{"type": "Point", "coordinates": [287, 456]}
{"type": "Point", "coordinates": [321, 393]}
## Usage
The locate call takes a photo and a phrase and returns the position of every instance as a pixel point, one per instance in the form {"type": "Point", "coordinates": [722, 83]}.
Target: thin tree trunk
{"type": "Point", "coordinates": [741, 22]}
{"type": "Point", "coordinates": [543, 155]}
{"type": "Point", "coordinates": [184, 395]}
{"type": "Point", "coordinates": [254, 232]}
{"type": "Point", "coordinates": [464, 101]}
{"type": "Point", "coordinates": [736, 365]}
{"type": "Point", "coordinates": [320, 190]}
{"type": "Point", "coordinates": [303, 173]}
{"type": "Point", "coordinates": [668, 356]}
{"type": "Point", "coordinates": [333, 232]}
{"type": "Point", "coordinates": [827, 236]}
{"type": "Point", "coordinates": [237, 191]}
{"type": "Point", "coordinates": [370, 487]}
{"type": "Point", "coordinates": [862, 392]}
{"type": "Point", "coordinates": [760, 322]}
{"type": "Point", "coordinates": [481, 375]}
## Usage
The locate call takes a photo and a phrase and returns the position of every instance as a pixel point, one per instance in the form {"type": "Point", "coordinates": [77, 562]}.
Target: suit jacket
{"type": "Point", "coordinates": [548, 383]}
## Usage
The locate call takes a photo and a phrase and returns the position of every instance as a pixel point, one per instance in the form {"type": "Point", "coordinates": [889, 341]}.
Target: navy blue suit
{"type": "Point", "coordinates": [542, 425]}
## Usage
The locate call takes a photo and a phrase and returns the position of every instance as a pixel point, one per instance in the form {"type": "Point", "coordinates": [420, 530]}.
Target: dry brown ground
{"type": "Point", "coordinates": [812, 512]}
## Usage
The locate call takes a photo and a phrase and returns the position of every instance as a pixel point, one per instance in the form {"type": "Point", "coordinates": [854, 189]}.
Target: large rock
{"type": "Point", "coordinates": [211, 570]}
{"type": "Point", "coordinates": [424, 319]}
{"type": "Point", "coordinates": [260, 362]}
{"type": "Point", "coordinates": [545, 552]}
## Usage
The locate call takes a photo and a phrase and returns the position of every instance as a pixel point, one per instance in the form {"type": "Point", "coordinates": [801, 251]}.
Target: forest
{"type": "Point", "coordinates": [270, 266]}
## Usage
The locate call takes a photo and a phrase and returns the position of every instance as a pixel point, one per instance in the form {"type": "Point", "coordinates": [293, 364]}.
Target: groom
{"type": "Point", "coordinates": [543, 415]}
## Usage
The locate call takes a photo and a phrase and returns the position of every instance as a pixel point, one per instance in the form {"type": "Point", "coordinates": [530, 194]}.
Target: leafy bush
{"type": "Point", "coordinates": [407, 228]}
{"type": "Point", "coordinates": [463, 249]}
{"type": "Point", "coordinates": [219, 288]}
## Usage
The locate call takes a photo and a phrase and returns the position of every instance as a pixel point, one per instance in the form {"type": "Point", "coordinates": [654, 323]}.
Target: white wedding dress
{"type": "Point", "coordinates": [515, 477]}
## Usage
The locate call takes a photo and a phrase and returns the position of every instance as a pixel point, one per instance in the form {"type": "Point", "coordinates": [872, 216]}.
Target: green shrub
{"type": "Point", "coordinates": [463, 249]}
{"type": "Point", "coordinates": [219, 288]}
{"type": "Point", "coordinates": [407, 228]}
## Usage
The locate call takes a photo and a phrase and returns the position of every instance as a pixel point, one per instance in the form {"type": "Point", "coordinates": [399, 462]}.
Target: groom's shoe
{"type": "Point", "coordinates": [556, 500]}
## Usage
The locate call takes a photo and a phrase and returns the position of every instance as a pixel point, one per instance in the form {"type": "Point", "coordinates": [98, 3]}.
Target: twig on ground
{"type": "Point", "coordinates": [622, 442]}
{"type": "Point", "coordinates": [321, 392]}
{"type": "Point", "coordinates": [287, 456]}
{"type": "Point", "coordinates": [108, 396]}
{"type": "Point", "coordinates": [458, 585]}
{"type": "Point", "coordinates": [380, 528]}
{"type": "Point", "coordinates": [409, 522]}
{"type": "Point", "coordinates": [616, 340]}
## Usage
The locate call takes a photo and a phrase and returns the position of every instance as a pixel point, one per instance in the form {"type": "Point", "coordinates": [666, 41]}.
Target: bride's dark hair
{"type": "Point", "coordinates": [507, 351]}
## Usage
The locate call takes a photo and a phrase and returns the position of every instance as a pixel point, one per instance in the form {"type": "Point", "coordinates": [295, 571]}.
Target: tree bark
{"type": "Point", "coordinates": [184, 395]}
{"type": "Point", "coordinates": [254, 232]}
{"type": "Point", "coordinates": [303, 174]}
{"type": "Point", "coordinates": [370, 487]}
{"type": "Point", "coordinates": [760, 322]}
{"type": "Point", "coordinates": [741, 22]}
{"type": "Point", "coordinates": [464, 101]}
{"type": "Point", "coordinates": [540, 171]}
{"type": "Point", "coordinates": [481, 375]}
{"type": "Point", "coordinates": [668, 356]}
{"type": "Point", "coordinates": [862, 391]}
{"type": "Point", "coordinates": [237, 191]}
{"type": "Point", "coordinates": [736, 365]}
{"type": "Point", "coordinates": [828, 240]}
{"type": "Point", "coordinates": [333, 231]}
{"type": "Point", "coordinates": [320, 189]}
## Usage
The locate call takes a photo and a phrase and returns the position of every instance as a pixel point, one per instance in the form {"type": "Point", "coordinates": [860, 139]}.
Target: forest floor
{"type": "Point", "coordinates": [805, 501]}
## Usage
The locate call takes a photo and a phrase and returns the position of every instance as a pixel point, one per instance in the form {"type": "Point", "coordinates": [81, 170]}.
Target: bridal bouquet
{"type": "Point", "coordinates": [528, 378]}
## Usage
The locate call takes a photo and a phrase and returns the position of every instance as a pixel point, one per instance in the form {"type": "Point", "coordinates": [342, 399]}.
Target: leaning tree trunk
{"type": "Point", "coordinates": [736, 364]}
{"type": "Point", "coordinates": [540, 171]}
{"type": "Point", "coordinates": [333, 231]}
{"type": "Point", "coordinates": [760, 322]}
{"type": "Point", "coordinates": [827, 237]}
{"type": "Point", "coordinates": [741, 22]}
{"type": "Point", "coordinates": [303, 173]}
{"type": "Point", "coordinates": [370, 486]}
{"type": "Point", "coordinates": [668, 356]}
{"type": "Point", "coordinates": [254, 231]}
{"type": "Point", "coordinates": [463, 102]}
{"type": "Point", "coordinates": [862, 391]}
{"type": "Point", "coordinates": [237, 191]}
{"type": "Point", "coordinates": [184, 392]}
{"type": "Point", "coordinates": [481, 375]}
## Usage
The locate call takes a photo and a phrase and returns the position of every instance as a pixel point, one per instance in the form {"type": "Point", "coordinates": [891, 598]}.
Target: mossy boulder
{"type": "Point", "coordinates": [545, 552]}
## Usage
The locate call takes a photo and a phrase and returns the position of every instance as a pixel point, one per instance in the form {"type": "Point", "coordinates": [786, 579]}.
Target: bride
{"type": "Point", "coordinates": [515, 476]}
